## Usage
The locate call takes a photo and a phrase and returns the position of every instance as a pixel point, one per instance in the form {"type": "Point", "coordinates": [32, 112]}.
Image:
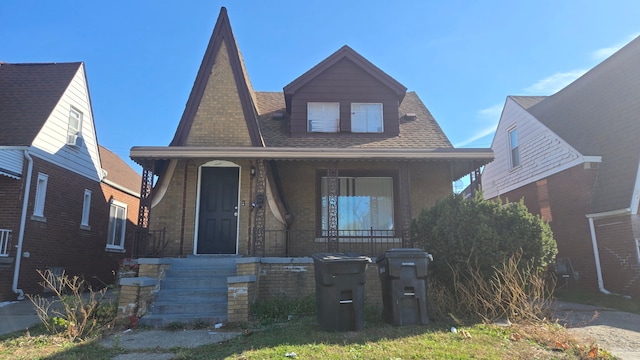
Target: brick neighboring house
{"type": "Point", "coordinates": [54, 193]}
{"type": "Point", "coordinates": [574, 158]}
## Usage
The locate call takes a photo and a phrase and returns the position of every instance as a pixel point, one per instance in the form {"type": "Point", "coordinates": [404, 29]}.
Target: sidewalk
{"type": "Point", "coordinates": [16, 316]}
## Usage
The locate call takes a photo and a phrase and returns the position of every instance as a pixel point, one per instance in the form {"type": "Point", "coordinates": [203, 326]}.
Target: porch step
{"type": "Point", "coordinates": [194, 290]}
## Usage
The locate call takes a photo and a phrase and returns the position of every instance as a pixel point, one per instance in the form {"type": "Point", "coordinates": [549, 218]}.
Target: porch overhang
{"type": "Point", "coordinates": [463, 161]}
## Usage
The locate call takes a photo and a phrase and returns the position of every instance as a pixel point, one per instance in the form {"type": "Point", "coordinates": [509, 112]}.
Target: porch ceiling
{"type": "Point", "coordinates": [464, 161]}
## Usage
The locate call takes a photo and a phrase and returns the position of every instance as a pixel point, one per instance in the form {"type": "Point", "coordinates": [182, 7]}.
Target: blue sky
{"type": "Point", "coordinates": [461, 57]}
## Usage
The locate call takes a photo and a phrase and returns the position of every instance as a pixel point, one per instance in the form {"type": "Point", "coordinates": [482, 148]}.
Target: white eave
{"type": "Point", "coordinates": [138, 153]}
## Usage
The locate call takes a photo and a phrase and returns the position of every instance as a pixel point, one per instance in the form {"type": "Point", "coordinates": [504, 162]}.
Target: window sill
{"type": "Point", "coordinates": [114, 249]}
{"type": "Point", "coordinates": [514, 169]}
{"type": "Point", "coordinates": [85, 227]}
{"type": "Point", "coordinates": [38, 218]}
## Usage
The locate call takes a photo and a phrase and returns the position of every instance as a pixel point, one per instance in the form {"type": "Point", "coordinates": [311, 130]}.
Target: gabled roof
{"type": "Point", "coordinates": [118, 173]}
{"type": "Point", "coordinates": [221, 34]}
{"type": "Point", "coordinates": [28, 95]}
{"type": "Point", "coordinates": [527, 101]}
{"type": "Point", "coordinates": [344, 52]}
{"type": "Point", "coordinates": [598, 115]}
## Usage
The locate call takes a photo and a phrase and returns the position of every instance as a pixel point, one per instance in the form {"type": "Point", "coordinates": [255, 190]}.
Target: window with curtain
{"type": "Point", "coordinates": [117, 225]}
{"type": "Point", "coordinates": [364, 204]}
{"type": "Point", "coordinates": [323, 117]}
{"type": "Point", "coordinates": [366, 118]}
{"type": "Point", "coordinates": [513, 146]}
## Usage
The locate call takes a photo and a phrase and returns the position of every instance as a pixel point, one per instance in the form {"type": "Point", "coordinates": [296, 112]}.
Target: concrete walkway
{"type": "Point", "coordinates": [17, 316]}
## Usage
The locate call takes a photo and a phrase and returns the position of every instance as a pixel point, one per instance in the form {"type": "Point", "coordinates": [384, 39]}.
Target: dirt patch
{"type": "Point", "coordinates": [616, 331]}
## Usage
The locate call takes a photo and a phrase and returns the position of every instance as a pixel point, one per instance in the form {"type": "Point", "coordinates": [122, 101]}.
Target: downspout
{"type": "Point", "coordinates": [596, 256]}
{"type": "Point", "coordinates": [23, 221]}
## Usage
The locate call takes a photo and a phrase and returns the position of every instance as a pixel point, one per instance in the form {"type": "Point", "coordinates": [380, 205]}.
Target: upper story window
{"type": "Point", "coordinates": [514, 148]}
{"type": "Point", "coordinates": [75, 127]}
{"type": "Point", "coordinates": [41, 195]}
{"type": "Point", "coordinates": [366, 118]}
{"type": "Point", "coordinates": [323, 117]}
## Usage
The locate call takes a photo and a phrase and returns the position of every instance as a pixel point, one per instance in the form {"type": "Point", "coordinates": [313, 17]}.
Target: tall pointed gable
{"type": "Point", "coordinates": [344, 52]}
{"type": "Point", "coordinates": [221, 100]}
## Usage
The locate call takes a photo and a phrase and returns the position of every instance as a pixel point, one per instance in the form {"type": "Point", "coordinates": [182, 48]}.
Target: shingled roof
{"type": "Point", "coordinates": [421, 132]}
{"type": "Point", "coordinates": [118, 172]}
{"type": "Point", "coordinates": [599, 115]}
{"type": "Point", "coordinates": [28, 95]}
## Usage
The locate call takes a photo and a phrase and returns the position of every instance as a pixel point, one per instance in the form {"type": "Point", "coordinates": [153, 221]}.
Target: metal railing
{"type": "Point", "coordinates": [149, 243]}
{"type": "Point", "coordinates": [5, 236]}
{"type": "Point", "coordinates": [370, 242]}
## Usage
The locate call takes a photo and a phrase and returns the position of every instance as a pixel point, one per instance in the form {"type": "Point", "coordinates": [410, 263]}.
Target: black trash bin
{"type": "Point", "coordinates": [340, 281]}
{"type": "Point", "coordinates": [403, 275]}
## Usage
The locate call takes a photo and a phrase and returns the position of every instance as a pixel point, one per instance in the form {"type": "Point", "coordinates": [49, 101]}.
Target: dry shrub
{"type": "Point", "coordinates": [75, 310]}
{"type": "Point", "coordinates": [514, 292]}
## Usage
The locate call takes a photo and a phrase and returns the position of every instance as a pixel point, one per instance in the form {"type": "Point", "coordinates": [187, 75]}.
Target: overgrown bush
{"type": "Point", "coordinates": [76, 310]}
{"type": "Point", "coordinates": [473, 240]}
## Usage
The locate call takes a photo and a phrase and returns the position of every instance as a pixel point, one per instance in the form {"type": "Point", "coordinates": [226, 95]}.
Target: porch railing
{"type": "Point", "coordinates": [5, 236]}
{"type": "Point", "coordinates": [149, 243]}
{"type": "Point", "coordinates": [370, 242]}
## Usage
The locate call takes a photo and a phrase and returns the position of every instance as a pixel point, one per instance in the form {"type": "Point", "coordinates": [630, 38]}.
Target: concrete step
{"type": "Point", "coordinates": [187, 295]}
{"type": "Point", "coordinates": [200, 272]}
{"type": "Point", "coordinates": [157, 321]}
{"type": "Point", "coordinates": [188, 308]}
{"type": "Point", "coordinates": [175, 283]}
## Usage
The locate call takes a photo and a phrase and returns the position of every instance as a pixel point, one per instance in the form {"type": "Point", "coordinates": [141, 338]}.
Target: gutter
{"type": "Point", "coordinates": [23, 221]}
{"type": "Point", "coordinates": [594, 243]}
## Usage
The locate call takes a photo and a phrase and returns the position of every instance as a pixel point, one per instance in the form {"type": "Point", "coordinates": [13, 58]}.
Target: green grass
{"type": "Point", "coordinates": [302, 336]}
{"type": "Point", "coordinates": [599, 299]}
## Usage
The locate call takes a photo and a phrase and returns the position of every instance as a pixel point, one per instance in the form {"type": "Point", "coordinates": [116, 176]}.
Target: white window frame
{"type": "Point", "coordinates": [323, 117]}
{"type": "Point", "coordinates": [514, 149]}
{"type": "Point", "coordinates": [74, 115]}
{"type": "Point", "coordinates": [86, 208]}
{"type": "Point", "coordinates": [111, 241]}
{"type": "Point", "coordinates": [638, 249]}
{"type": "Point", "coordinates": [41, 195]}
{"type": "Point", "coordinates": [371, 116]}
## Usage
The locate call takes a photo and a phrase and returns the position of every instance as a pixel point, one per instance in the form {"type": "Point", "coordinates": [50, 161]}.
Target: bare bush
{"type": "Point", "coordinates": [515, 292]}
{"type": "Point", "coordinates": [75, 310]}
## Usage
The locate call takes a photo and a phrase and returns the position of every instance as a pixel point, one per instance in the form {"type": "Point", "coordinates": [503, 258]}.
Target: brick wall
{"type": "Point", "coordinates": [563, 199]}
{"type": "Point", "coordinates": [11, 192]}
{"type": "Point", "coordinates": [60, 241]}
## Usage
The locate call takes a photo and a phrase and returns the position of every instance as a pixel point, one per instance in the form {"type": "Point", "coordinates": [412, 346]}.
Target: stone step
{"type": "Point", "coordinates": [188, 308]}
{"type": "Point", "coordinates": [152, 320]}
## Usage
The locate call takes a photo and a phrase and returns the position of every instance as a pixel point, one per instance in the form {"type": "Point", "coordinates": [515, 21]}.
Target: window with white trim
{"type": "Point", "coordinates": [117, 225]}
{"type": "Point", "coordinates": [75, 125]}
{"type": "Point", "coordinates": [323, 117]}
{"type": "Point", "coordinates": [86, 206]}
{"type": "Point", "coordinates": [514, 148]}
{"type": "Point", "coordinates": [41, 195]}
{"type": "Point", "coordinates": [365, 204]}
{"type": "Point", "coordinates": [638, 249]}
{"type": "Point", "coordinates": [366, 118]}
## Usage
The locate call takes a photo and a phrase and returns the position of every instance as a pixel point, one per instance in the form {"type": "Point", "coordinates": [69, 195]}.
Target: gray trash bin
{"type": "Point", "coordinates": [403, 276]}
{"type": "Point", "coordinates": [340, 279]}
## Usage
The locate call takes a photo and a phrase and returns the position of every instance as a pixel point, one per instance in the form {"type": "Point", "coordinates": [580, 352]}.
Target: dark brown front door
{"type": "Point", "coordinates": [217, 218]}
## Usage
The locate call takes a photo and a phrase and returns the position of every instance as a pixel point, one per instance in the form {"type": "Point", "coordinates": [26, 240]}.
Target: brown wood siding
{"type": "Point", "coordinates": [345, 83]}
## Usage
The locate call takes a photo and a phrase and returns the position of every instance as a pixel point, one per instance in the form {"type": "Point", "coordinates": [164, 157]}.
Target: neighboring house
{"type": "Point", "coordinates": [342, 160]}
{"type": "Point", "coordinates": [54, 195]}
{"type": "Point", "coordinates": [574, 158]}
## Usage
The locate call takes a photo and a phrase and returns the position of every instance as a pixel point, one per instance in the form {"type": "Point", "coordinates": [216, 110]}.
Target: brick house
{"type": "Point", "coordinates": [341, 160]}
{"type": "Point", "coordinates": [56, 184]}
{"type": "Point", "coordinates": [574, 158]}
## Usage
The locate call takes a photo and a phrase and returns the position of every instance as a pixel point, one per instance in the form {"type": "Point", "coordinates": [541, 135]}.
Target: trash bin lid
{"type": "Point", "coordinates": [403, 253]}
{"type": "Point", "coordinates": [340, 257]}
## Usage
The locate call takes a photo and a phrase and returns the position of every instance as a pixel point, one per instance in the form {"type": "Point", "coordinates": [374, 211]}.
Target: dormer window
{"type": "Point", "coordinates": [323, 117]}
{"type": "Point", "coordinates": [366, 118]}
